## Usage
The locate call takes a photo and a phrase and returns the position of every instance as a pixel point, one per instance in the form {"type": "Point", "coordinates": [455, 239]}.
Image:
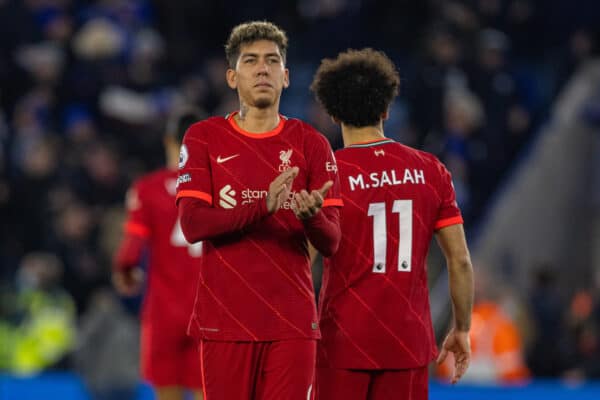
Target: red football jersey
{"type": "Point", "coordinates": [255, 284]}
{"type": "Point", "coordinates": [173, 263]}
{"type": "Point", "coordinates": [374, 303]}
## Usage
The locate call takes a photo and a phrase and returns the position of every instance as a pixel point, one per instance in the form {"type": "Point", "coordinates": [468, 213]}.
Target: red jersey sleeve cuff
{"type": "Point", "coordinates": [137, 229]}
{"type": "Point", "coordinates": [333, 203]}
{"type": "Point", "coordinates": [196, 194]}
{"type": "Point", "coordinates": [442, 223]}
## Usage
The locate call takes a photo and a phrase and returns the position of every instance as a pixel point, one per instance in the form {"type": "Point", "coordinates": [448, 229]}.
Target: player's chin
{"type": "Point", "coordinates": [264, 101]}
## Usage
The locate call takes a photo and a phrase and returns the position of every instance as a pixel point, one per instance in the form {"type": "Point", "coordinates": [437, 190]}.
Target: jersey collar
{"type": "Point", "coordinates": [371, 143]}
{"type": "Point", "coordinates": [262, 135]}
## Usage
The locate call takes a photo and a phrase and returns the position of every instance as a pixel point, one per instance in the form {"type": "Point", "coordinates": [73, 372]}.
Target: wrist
{"type": "Point", "coordinates": [462, 329]}
{"type": "Point", "coordinates": [122, 268]}
{"type": "Point", "coordinates": [312, 219]}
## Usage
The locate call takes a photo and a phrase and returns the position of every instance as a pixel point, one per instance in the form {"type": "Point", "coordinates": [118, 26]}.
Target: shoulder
{"type": "Point", "coordinates": [426, 158]}
{"type": "Point", "coordinates": [151, 179]}
{"type": "Point", "coordinates": [433, 167]}
{"type": "Point", "coordinates": [300, 127]}
{"type": "Point", "coordinates": [342, 153]}
{"type": "Point", "coordinates": [310, 136]}
{"type": "Point", "coordinates": [201, 128]}
{"type": "Point", "coordinates": [137, 192]}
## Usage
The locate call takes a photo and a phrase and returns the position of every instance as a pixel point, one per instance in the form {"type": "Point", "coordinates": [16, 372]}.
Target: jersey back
{"type": "Point", "coordinates": [374, 304]}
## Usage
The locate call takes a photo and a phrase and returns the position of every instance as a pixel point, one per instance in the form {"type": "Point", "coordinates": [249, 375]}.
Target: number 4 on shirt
{"type": "Point", "coordinates": [178, 240]}
{"type": "Point", "coordinates": [378, 211]}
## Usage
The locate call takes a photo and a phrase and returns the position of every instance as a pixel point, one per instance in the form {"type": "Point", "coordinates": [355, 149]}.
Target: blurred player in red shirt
{"type": "Point", "coordinates": [255, 309]}
{"type": "Point", "coordinates": [374, 306]}
{"type": "Point", "coordinates": [170, 358]}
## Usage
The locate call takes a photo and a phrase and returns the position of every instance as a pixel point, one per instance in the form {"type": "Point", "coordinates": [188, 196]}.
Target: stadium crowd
{"type": "Point", "coordinates": [86, 86]}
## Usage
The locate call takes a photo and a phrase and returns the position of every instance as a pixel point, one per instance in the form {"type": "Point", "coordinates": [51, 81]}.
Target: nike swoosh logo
{"type": "Point", "coordinates": [222, 160]}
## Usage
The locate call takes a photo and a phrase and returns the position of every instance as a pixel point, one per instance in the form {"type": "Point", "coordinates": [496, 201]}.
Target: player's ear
{"type": "Point", "coordinates": [231, 77]}
{"type": "Point", "coordinates": [385, 115]}
{"type": "Point", "coordinates": [336, 121]}
{"type": "Point", "coordinates": [286, 78]}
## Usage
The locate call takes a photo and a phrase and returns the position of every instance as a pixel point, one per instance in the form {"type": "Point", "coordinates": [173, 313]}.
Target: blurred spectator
{"type": "Point", "coordinates": [107, 351]}
{"type": "Point", "coordinates": [581, 47]}
{"type": "Point", "coordinates": [583, 329]}
{"type": "Point", "coordinates": [78, 125]}
{"type": "Point", "coordinates": [73, 239]}
{"type": "Point", "coordinates": [98, 39]}
{"type": "Point", "coordinates": [461, 17]}
{"type": "Point", "coordinates": [547, 353]}
{"type": "Point", "coordinates": [523, 27]}
{"type": "Point", "coordinates": [441, 71]}
{"type": "Point", "coordinates": [100, 179]}
{"type": "Point", "coordinates": [490, 12]}
{"type": "Point", "coordinates": [31, 122]}
{"type": "Point", "coordinates": [54, 22]}
{"type": "Point", "coordinates": [39, 326]}
{"type": "Point", "coordinates": [493, 82]}
{"type": "Point", "coordinates": [507, 120]}
{"type": "Point", "coordinates": [44, 61]}
{"type": "Point", "coordinates": [38, 172]}
{"type": "Point", "coordinates": [463, 116]}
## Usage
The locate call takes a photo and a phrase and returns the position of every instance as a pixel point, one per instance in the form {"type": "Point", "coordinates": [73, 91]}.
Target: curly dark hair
{"type": "Point", "coordinates": [357, 87]}
{"type": "Point", "coordinates": [253, 31]}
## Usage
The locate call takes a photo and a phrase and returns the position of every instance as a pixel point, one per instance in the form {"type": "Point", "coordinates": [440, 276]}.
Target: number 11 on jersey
{"type": "Point", "coordinates": [378, 211]}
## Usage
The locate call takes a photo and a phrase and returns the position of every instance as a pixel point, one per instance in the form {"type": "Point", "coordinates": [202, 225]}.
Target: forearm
{"type": "Point", "coordinates": [130, 252]}
{"type": "Point", "coordinates": [323, 230]}
{"type": "Point", "coordinates": [199, 221]}
{"type": "Point", "coordinates": [460, 274]}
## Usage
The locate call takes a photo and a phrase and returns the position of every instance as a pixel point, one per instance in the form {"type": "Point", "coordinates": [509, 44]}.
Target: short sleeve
{"type": "Point", "coordinates": [449, 213]}
{"type": "Point", "coordinates": [322, 167]}
{"type": "Point", "coordinates": [194, 178]}
{"type": "Point", "coordinates": [138, 221]}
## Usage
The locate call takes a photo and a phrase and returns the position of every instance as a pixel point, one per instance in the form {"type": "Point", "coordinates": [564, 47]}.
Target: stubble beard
{"type": "Point", "coordinates": [258, 100]}
{"type": "Point", "coordinates": [263, 103]}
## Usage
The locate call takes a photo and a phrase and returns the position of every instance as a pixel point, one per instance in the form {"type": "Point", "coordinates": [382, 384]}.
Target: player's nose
{"type": "Point", "coordinates": [262, 67]}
